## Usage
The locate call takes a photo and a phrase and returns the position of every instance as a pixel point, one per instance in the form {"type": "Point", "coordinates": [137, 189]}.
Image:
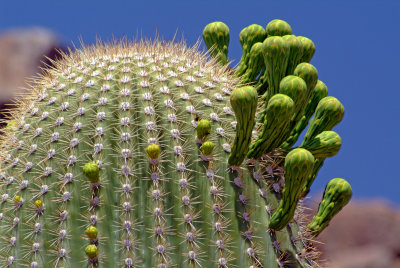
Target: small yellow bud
{"type": "Point", "coordinates": [153, 151]}
{"type": "Point", "coordinates": [207, 147]}
{"type": "Point", "coordinates": [38, 203]}
{"type": "Point", "coordinates": [12, 124]}
{"type": "Point", "coordinates": [91, 171]}
{"type": "Point", "coordinates": [17, 199]}
{"type": "Point", "coordinates": [91, 251]}
{"type": "Point", "coordinates": [91, 232]}
{"type": "Point", "coordinates": [203, 129]}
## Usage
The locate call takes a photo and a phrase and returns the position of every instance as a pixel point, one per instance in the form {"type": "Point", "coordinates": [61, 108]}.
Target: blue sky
{"type": "Point", "coordinates": [357, 56]}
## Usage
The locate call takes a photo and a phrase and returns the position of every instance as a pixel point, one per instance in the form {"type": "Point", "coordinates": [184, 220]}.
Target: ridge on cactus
{"type": "Point", "coordinates": [150, 154]}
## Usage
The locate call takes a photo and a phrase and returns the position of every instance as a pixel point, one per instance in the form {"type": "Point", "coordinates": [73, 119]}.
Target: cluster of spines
{"type": "Point", "coordinates": [126, 139]}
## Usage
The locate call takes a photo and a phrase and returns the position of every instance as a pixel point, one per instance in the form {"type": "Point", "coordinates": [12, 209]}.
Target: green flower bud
{"type": "Point", "coordinates": [12, 124]}
{"type": "Point", "coordinates": [328, 114]}
{"type": "Point", "coordinates": [203, 129]}
{"type": "Point", "coordinates": [207, 147]}
{"type": "Point", "coordinates": [244, 104]}
{"type": "Point", "coordinates": [318, 163]}
{"type": "Point", "coordinates": [276, 52]}
{"type": "Point", "coordinates": [336, 195]}
{"type": "Point", "coordinates": [17, 199]}
{"type": "Point", "coordinates": [91, 232]}
{"type": "Point", "coordinates": [309, 49]}
{"type": "Point", "coordinates": [298, 166]}
{"type": "Point", "coordinates": [38, 203]}
{"type": "Point", "coordinates": [296, 52]}
{"type": "Point", "coordinates": [255, 64]}
{"type": "Point", "coordinates": [294, 87]}
{"type": "Point", "coordinates": [309, 74]}
{"type": "Point", "coordinates": [91, 251]}
{"type": "Point", "coordinates": [91, 171]}
{"type": "Point", "coordinates": [279, 111]}
{"type": "Point", "coordinates": [325, 144]}
{"type": "Point", "coordinates": [278, 28]}
{"type": "Point", "coordinates": [153, 151]}
{"type": "Point", "coordinates": [248, 37]}
{"type": "Point", "coordinates": [299, 124]}
{"type": "Point", "coordinates": [216, 37]}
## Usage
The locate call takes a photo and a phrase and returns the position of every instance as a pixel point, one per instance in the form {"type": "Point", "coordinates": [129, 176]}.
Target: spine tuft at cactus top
{"type": "Point", "coordinates": [151, 154]}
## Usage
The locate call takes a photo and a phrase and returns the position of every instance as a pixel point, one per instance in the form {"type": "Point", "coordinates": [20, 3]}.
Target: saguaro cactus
{"type": "Point", "coordinates": [144, 155]}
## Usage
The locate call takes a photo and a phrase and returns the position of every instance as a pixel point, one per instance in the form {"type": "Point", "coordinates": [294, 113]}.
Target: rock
{"type": "Point", "coordinates": [370, 256]}
{"type": "Point", "coordinates": [22, 52]}
{"type": "Point", "coordinates": [365, 234]}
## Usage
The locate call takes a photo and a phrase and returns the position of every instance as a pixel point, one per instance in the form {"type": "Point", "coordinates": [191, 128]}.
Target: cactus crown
{"type": "Point", "coordinates": [150, 155]}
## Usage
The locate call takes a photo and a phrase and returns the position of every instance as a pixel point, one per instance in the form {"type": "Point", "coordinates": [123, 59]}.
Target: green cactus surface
{"type": "Point", "coordinates": [149, 154]}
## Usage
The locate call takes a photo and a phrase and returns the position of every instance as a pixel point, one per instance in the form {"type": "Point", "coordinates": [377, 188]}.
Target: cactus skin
{"type": "Point", "coordinates": [244, 104]}
{"type": "Point", "coordinates": [249, 36]}
{"type": "Point", "coordinates": [216, 36]}
{"type": "Point", "coordinates": [120, 158]}
{"type": "Point", "coordinates": [298, 166]}
{"type": "Point", "coordinates": [337, 194]}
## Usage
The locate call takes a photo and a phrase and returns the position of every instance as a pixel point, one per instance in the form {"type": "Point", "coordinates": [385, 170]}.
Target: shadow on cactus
{"type": "Point", "coordinates": [150, 154]}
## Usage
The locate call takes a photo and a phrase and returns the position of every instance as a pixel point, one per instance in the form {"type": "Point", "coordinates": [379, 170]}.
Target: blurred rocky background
{"type": "Point", "coordinates": [22, 53]}
{"type": "Point", "coordinates": [365, 234]}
